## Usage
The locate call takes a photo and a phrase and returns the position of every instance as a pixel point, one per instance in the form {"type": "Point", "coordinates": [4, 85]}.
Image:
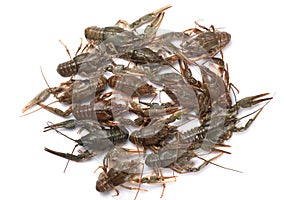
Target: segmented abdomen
{"type": "Point", "coordinates": [213, 41]}
{"type": "Point", "coordinates": [93, 33]}
{"type": "Point", "coordinates": [67, 69]}
{"type": "Point", "coordinates": [84, 112]}
{"type": "Point", "coordinates": [193, 135]}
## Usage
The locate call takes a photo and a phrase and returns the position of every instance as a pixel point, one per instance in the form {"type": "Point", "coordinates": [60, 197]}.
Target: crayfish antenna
{"type": "Point", "coordinates": [210, 162]}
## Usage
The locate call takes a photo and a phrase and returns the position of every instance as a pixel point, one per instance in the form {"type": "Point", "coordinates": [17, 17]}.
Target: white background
{"type": "Point", "coordinates": [263, 57]}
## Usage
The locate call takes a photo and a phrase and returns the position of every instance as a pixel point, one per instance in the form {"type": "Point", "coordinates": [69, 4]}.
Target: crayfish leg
{"type": "Point", "coordinates": [132, 188]}
{"type": "Point", "coordinates": [117, 192]}
{"type": "Point", "coordinates": [56, 110]}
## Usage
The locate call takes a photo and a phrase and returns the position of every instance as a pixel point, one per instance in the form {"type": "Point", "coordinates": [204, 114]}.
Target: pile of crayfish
{"type": "Point", "coordinates": [165, 93]}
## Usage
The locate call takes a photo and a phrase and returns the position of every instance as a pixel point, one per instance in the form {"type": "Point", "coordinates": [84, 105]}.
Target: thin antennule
{"type": "Point", "coordinates": [78, 49]}
{"type": "Point", "coordinates": [68, 52]}
{"type": "Point", "coordinates": [59, 132]}
{"type": "Point", "coordinates": [67, 164]}
{"type": "Point", "coordinates": [256, 111]}
{"type": "Point", "coordinates": [210, 162]}
{"type": "Point", "coordinates": [45, 78]}
{"type": "Point", "coordinates": [140, 182]}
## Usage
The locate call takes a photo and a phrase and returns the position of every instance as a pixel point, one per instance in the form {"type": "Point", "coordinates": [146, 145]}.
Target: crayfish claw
{"type": "Point", "coordinates": [41, 97]}
{"type": "Point", "coordinates": [68, 124]}
{"type": "Point", "coordinates": [160, 10]}
{"type": "Point", "coordinates": [84, 155]}
{"type": "Point", "coordinates": [253, 100]}
{"type": "Point", "coordinates": [148, 18]}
